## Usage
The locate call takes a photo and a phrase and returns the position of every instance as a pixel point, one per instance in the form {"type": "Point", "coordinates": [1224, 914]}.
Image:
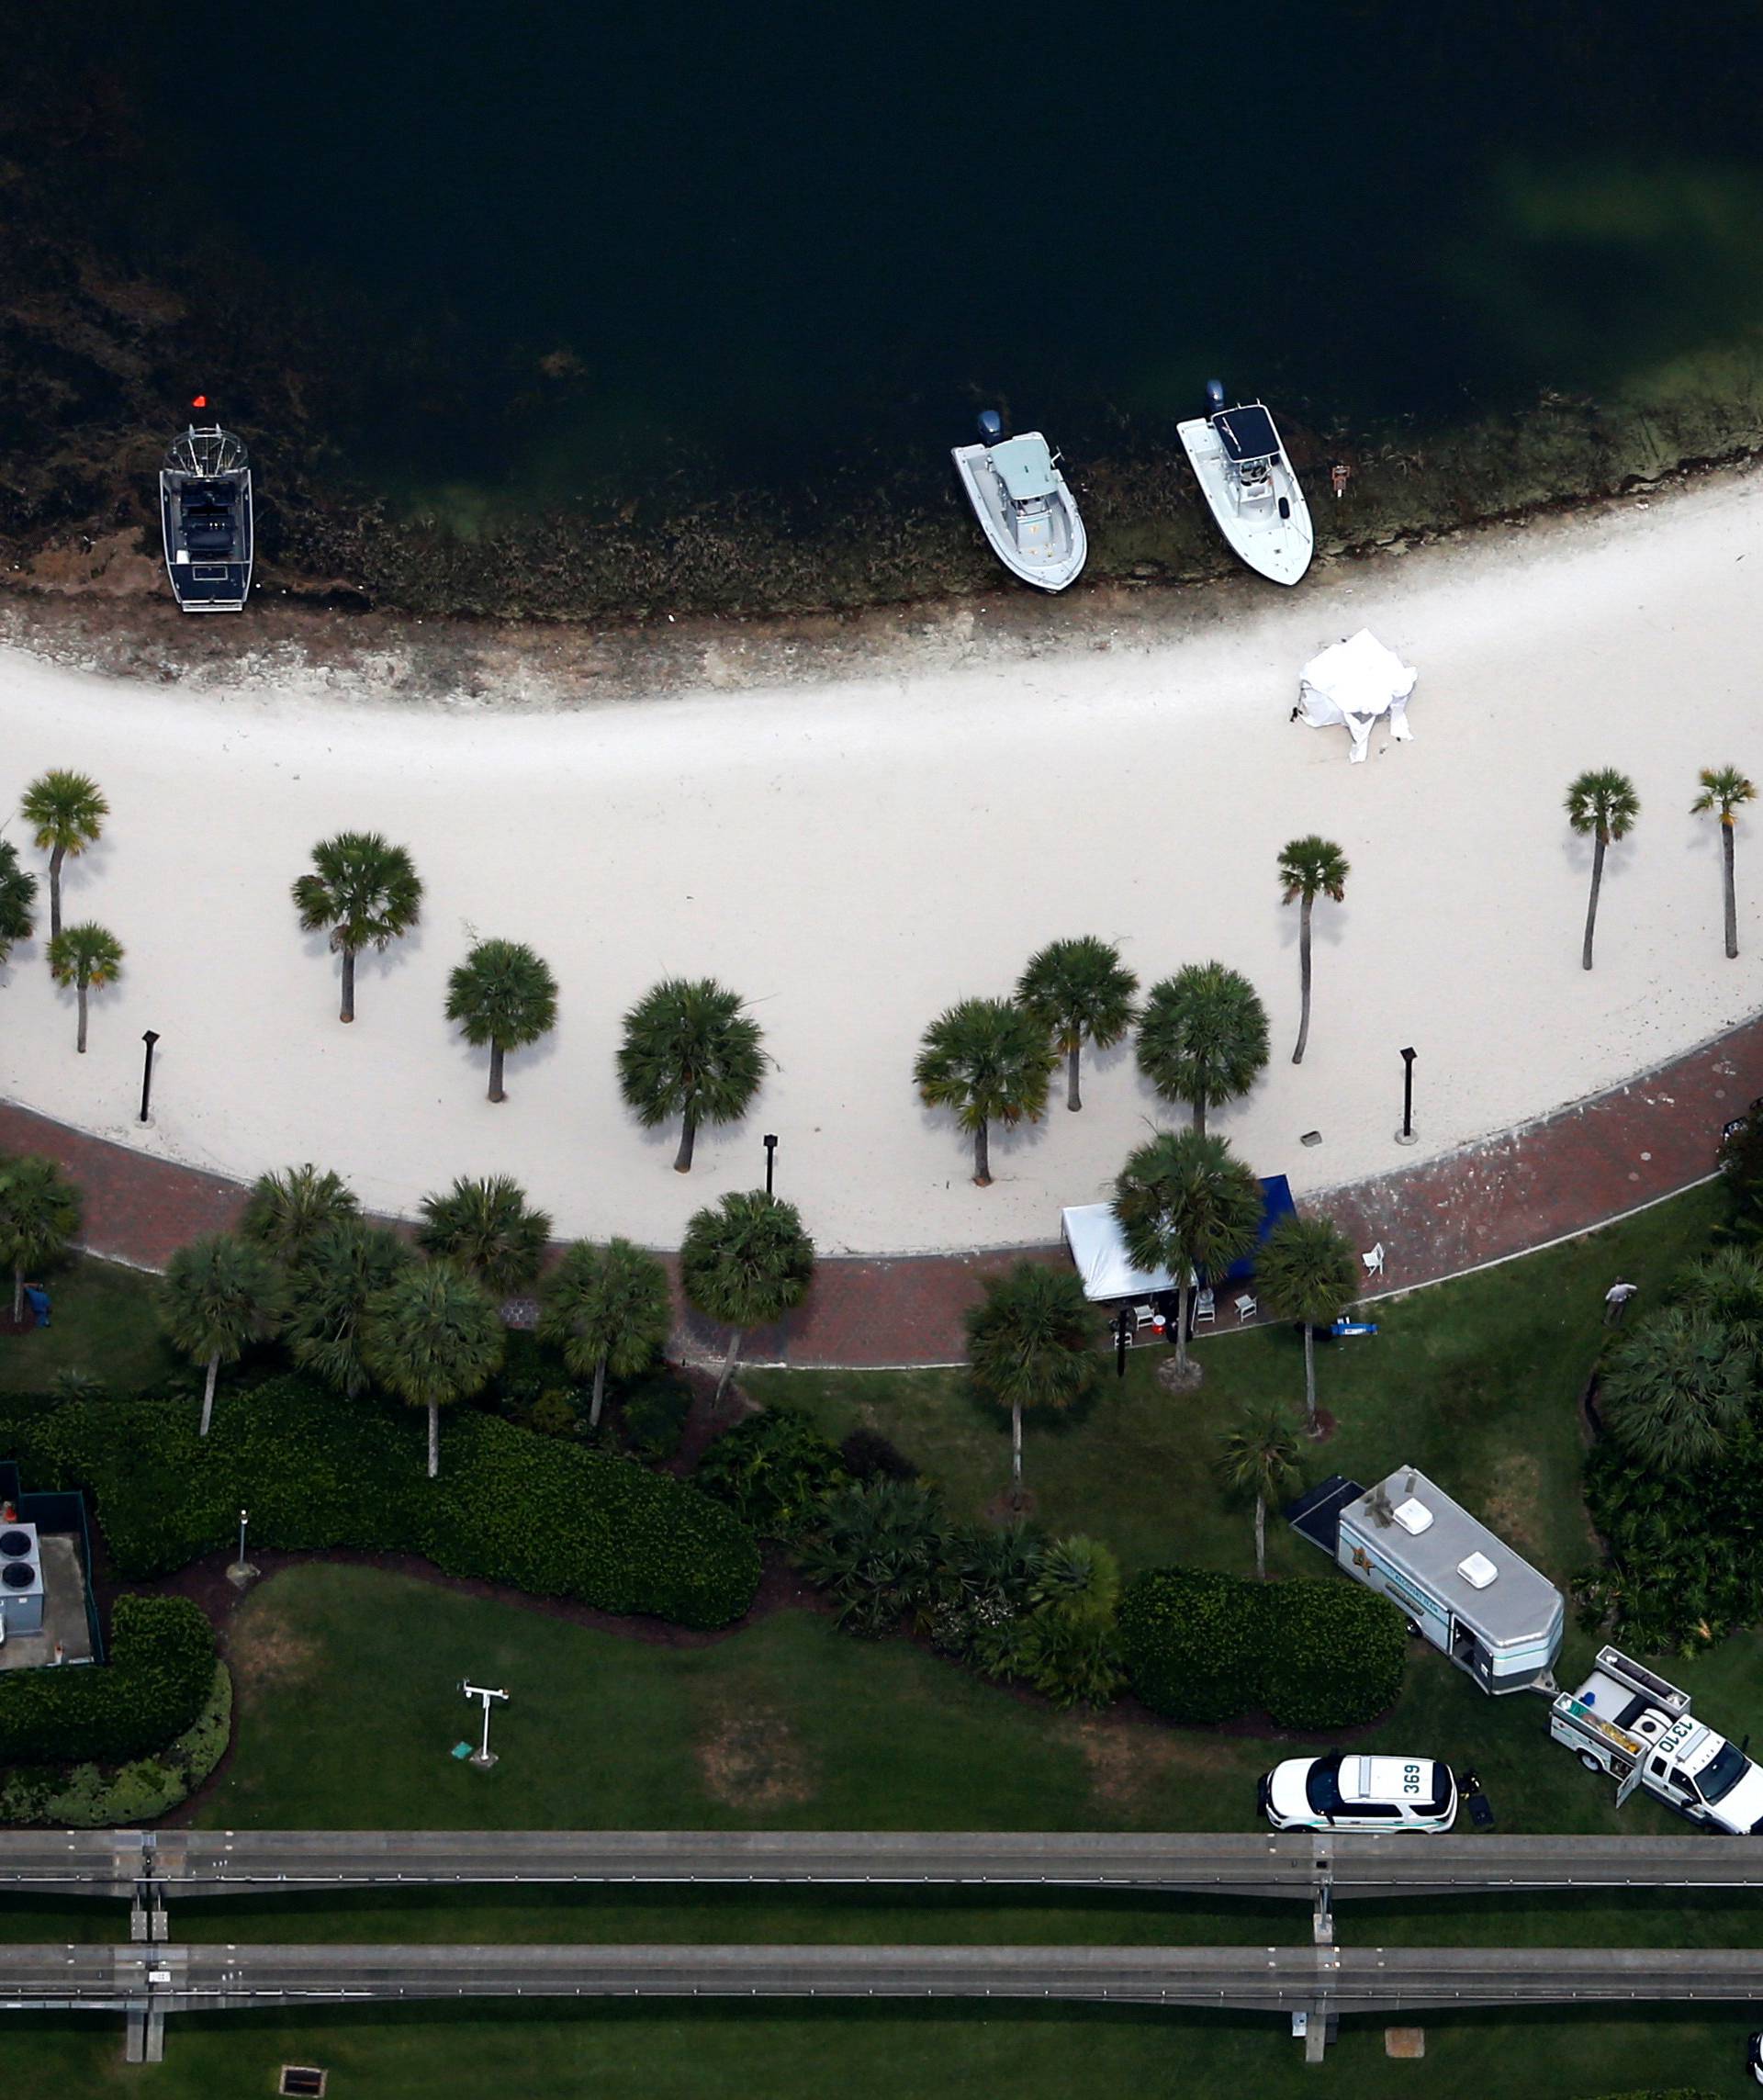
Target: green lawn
{"type": "Point", "coordinates": [102, 1323]}
{"type": "Point", "coordinates": [347, 1710]}
{"type": "Point", "coordinates": [1476, 1382]}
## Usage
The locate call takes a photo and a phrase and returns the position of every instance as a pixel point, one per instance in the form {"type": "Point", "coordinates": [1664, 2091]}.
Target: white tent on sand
{"type": "Point", "coordinates": [1353, 682]}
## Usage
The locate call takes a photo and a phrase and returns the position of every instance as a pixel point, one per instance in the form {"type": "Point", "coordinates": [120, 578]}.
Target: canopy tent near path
{"type": "Point", "coordinates": [1353, 682]}
{"type": "Point", "coordinates": [1093, 1235]}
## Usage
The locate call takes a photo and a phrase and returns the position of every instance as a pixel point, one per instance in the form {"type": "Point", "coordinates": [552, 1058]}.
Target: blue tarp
{"type": "Point", "coordinates": [1275, 1203]}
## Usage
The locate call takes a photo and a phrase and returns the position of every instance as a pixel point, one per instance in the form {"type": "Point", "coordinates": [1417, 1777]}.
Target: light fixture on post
{"type": "Point", "coordinates": [1404, 1136]}
{"type": "Point", "coordinates": [770, 1160]}
{"type": "Point", "coordinates": [150, 1037]}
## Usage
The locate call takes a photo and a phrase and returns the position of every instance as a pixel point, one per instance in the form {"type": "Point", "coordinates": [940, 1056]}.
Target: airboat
{"type": "Point", "coordinates": [205, 516]}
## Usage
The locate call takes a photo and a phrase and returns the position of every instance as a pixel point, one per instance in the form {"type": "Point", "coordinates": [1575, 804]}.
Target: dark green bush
{"type": "Point", "coordinates": [1332, 1653]}
{"type": "Point", "coordinates": [654, 1412]}
{"type": "Point", "coordinates": [772, 1470]}
{"type": "Point", "coordinates": [1191, 1643]}
{"type": "Point", "coordinates": [158, 1678]}
{"type": "Point", "coordinates": [867, 1454]}
{"type": "Point", "coordinates": [317, 1472]}
{"type": "Point", "coordinates": [1313, 1651]}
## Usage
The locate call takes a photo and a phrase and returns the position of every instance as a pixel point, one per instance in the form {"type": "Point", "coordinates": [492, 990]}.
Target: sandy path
{"type": "Point", "coordinates": [852, 857]}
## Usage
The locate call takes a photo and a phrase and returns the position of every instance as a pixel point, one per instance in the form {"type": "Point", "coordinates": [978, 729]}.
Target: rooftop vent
{"type": "Point", "coordinates": [19, 1575]}
{"type": "Point", "coordinates": [1413, 1517]}
{"type": "Point", "coordinates": [1477, 1572]}
{"type": "Point", "coordinates": [14, 1544]}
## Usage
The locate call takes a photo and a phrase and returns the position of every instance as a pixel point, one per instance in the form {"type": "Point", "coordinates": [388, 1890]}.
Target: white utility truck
{"type": "Point", "coordinates": [1628, 1722]}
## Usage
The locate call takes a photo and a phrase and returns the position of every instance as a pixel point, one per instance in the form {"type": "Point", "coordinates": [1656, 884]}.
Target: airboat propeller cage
{"type": "Point", "coordinates": [1465, 1589]}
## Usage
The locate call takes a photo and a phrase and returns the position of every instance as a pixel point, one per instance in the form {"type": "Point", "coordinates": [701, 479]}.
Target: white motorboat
{"type": "Point", "coordinates": [1023, 504]}
{"type": "Point", "coordinates": [1242, 469]}
{"type": "Point", "coordinates": [204, 510]}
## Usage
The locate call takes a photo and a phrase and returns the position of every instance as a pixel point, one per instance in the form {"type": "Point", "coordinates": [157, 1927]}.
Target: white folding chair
{"type": "Point", "coordinates": [1374, 1261]}
{"type": "Point", "coordinates": [1246, 1307]}
{"type": "Point", "coordinates": [1206, 1307]}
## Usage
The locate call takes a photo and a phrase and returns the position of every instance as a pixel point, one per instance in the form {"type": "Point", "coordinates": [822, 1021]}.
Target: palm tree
{"type": "Point", "coordinates": [1031, 1343]}
{"type": "Point", "coordinates": [988, 1061]}
{"type": "Point", "coordinates": [1676, 1391]}
{"type": "Point", "coordinates": [1259, 1457]}
{"type": "Point", "coordinates": [488, 1228]}
{"type": "Point", "coordinates": [1724, 789]}
{"type": "Point", "coordinates": [690, 1051]}
{"type": "Point", "coordinates": [344, 1265]}
{"type": "Point", "coordinates": [746, 1263]}
{"type": "Point", "coordinates": [608, 1309]}
{"type": "Point", "coordinates": [1186, 1202]}
{"type": "Point", "coordinates": [18, 900]}
{"type": "Point", "coordinates": [1308, 1271]}
{"type": "Point", "coordinates": [39, 1214]}
{"type": "Point", "coordinates": [364, 893]}
{"type": "Point", "coordinates": [1727, 1285]}
{"type": "Point", "coordinates": [219, 1293]}
{"type": "Point", "coordinates": [286, 1212]}
{"type": "Point", "coordinates": [88, 958]}
{"type": "Point", "coordinates": [433, 1336]}
{"type": "Point", "coordinates": [1308, 869]}
{"type": "Point", "coordinates": [66, 813]}
{"type": "Point", "coordinates": [1203, 1037]}
{"type": "Point", "coordinates": [1603, 805]}
{"type": "Point", "coordinates": [503, 995]}
{"type": "Point", "coordinates": [1077, 989]}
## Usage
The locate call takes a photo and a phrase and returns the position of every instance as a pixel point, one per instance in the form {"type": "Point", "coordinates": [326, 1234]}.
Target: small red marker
{"type": "Point", "coordinates": [202, 401]}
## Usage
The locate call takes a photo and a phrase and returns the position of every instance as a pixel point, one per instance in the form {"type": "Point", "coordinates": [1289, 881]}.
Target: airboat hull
{"type": "Point", "coordinates": [1275, 536]}
{"type": "Point", "coordinates": [206, 522]}
{"type": "Point", "coordinates": [1049, 560]}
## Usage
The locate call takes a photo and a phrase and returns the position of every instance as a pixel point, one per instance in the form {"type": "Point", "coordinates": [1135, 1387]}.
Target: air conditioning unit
{"type": "Point", "coordinates": [21, 1580]}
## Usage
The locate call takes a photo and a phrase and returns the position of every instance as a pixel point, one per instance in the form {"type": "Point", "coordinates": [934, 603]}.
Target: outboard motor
{"type": "Point", "coordinates": [1214, 398]}
{"type": "Point", "coordinates": [991, 425]}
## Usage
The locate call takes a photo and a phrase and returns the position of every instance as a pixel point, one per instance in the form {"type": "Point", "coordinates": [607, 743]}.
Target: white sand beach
{"type": "Point", "coordinates": [853, 856]}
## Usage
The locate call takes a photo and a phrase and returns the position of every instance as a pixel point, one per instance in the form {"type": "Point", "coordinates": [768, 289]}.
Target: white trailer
{"type": "Point", "coordinates": [1632, 1723]}
{"type": "Point", "coordinates": [1462, 1587]}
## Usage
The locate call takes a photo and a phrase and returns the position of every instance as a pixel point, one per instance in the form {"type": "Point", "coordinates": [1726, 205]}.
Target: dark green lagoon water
{"type": "Point", "coordinates": [561, 254]}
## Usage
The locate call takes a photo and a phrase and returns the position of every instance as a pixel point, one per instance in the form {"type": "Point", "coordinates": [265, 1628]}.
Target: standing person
{"type": "Point", "coordinates": [1616, 1301]}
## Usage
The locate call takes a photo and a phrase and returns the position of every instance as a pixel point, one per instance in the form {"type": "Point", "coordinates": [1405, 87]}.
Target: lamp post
{"type": "Point", "coordinates": [1122, 1335]}
{"type": "Point", "coordinates": [241, 1571]}
{"type": "Point", "coordinates": [1404, 1136]}
{"type": "Point", "coordinates": [150, 1037]}
{"type": "Point", "coordinates": [483, 1758]}
{"type": "Point", "coordinates": [770, 1160]}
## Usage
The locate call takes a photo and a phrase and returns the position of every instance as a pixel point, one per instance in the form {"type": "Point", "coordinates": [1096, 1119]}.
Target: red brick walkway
{"type": "Point", "coordinates": [1563, 1174]}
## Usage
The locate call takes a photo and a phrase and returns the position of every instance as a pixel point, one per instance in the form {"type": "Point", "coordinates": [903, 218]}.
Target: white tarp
{"type": "Point", "coordinates": [1103, 1262]}
{"type": "Point", "coordinates": [1353, 682]}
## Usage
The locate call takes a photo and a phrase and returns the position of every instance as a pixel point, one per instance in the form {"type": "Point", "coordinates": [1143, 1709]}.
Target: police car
{"type": "Point", "coordinates": [1346, 1791]}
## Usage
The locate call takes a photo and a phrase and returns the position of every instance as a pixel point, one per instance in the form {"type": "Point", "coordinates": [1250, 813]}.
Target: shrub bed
{"type": "Point", "coordinates": [1311, 1652]}
{"type": "Point", "coordinates": [1191, 1643]}
{"type": "Point", "coordinates": [92, 1797]}
{"type": "Point", "coordinates": [772, 1470]}
{"type": "Point", "coordinates": [534, 1512]}
{"type": "Point", "coordinates": [160, 1672]}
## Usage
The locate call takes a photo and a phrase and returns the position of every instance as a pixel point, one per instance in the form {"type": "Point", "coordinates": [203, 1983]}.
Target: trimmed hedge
{"type": "Point", "coordinates": [317, 1472]}
{"type": "Point", "coordinates": [1191, 1643]}
{"type": "Point", "coordinates": [91, 1797]}
{"type": "Point", "coordinates": [1333, 1652]}
{"type": "Point", "coordinates": [1312, 1652]}
{"type": "Point", "coordinates": [153, 1687]}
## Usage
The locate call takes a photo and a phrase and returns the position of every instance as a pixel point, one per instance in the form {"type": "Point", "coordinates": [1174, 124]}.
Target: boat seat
{"type": "Point", "coordinates": [208, 539]}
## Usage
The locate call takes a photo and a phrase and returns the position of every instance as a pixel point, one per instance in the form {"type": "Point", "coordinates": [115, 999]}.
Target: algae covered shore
{"type": "Point", "coordinates": [710, 359]}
